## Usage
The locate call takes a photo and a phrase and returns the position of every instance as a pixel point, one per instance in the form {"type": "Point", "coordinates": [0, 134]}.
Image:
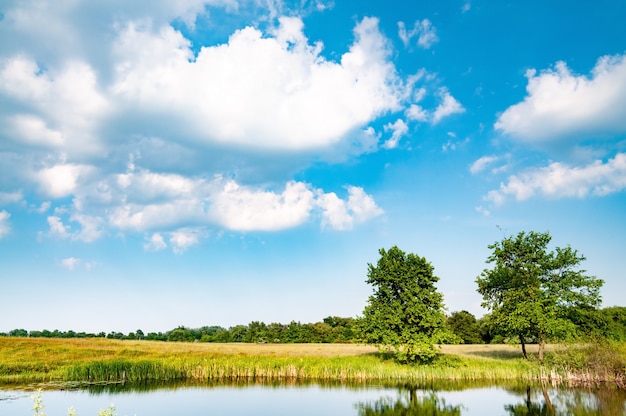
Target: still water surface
{"type": "Point", "coordinates": [304, 400]}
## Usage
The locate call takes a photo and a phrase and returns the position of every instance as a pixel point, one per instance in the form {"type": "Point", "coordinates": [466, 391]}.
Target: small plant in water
{"type": "Point", "coordinates": [38, 404]}
{"type": "Point", "coordinates": [38, 407]}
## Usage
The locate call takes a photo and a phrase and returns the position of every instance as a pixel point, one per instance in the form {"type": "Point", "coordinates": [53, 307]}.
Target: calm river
{"type": "Point", "coordinates": [319, 400]}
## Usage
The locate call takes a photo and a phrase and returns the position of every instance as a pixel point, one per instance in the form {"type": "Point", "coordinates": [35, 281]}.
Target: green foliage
{"type": "Point", "coordinates": [615, 318]}
{"type": "Point", "coordinates": [180, 334]}
{"type": "Point", "coordinates": [598, 359]}
{"type": "Point", "coordinates": [405, 314]}
{"type": "Point", "coordinates": [531, 291]}
{"type": "Point", "coordinates": [465, 325]}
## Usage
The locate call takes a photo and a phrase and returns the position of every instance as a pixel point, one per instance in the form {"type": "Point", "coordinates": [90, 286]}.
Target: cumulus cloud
{"type": "Point", "coordinates": [398, 129]}
{"type": "Point", "coordinates": [60, 180]}
{"type": "Point", "coordinates": [261, 91]}
{"type": "Point", "coordinates": [559, 180]}
{"type": "Point", "coordinates": [57, 228]}
{"type": "Point", "coordinates": [196, 116]}
{"type": "Point", "coordinates": [423, 30]}
{"type": "Point", "coordinates": [448, 106]}
{"type": "Point", "coordinates": [156, 242]}
{"type": "Point", "coordinates": [182, 239]}
{"type": "Point", "coordinates": [5, 228]}
{"type": "Point", "coordinates": [560, 104]}
{"type": "Point", "coordinates": [343, 215]}
{"type": "Point", "coordinates": [244, 209]}
{"type": "Point", "coordinates": [61, 106]}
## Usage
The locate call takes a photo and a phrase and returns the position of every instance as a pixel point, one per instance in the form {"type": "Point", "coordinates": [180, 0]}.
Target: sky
{"type": "Point", "coordinates": [218, 162]}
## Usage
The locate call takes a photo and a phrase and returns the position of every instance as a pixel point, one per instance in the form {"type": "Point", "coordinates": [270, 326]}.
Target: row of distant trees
{"type": "Point", "coordinates": [608, 323]}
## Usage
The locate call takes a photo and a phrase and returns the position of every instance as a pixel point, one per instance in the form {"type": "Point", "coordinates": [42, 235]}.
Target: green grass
{"type": "Point", "coordinates": [36, 360]}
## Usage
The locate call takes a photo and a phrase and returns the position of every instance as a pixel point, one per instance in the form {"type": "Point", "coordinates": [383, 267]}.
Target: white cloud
{"type": "Point", "coordinates": [5, 228]}
{"type": "Point", "coordinates": [241, 208]}
{"type": "Point", "coordinates": [558, 180]}
{"type": "Point", "coordinates": [66, 98]}
{"type": "Point", "coordinates": [70, 263]}
{"type": "Point", "coordinates": [559, 104]}
{"type": "Point", "coordinates": [156, 242]}
{"type": "Point", "coordinates": [448, 106]}
{"type": "Point", "coordinates": [417, 113]}
{"type": "Point", "coordinates": [343, 215]}
{"type": "Point", "coordinates": [81, 94]}
{"type": "Point", "coordinates": [398, 129]}
{"type": "Point", "coordinates": [481, 164]}
{"type": "Point", "coordinates": [422, 29]}
{"type": "Point", "coordinates": [57, 228]}
{"type": "Point", "coordinates": [60, 180]}
{"type": "Point", "coordinates": [260, 91]}
{"type": "Point", "coordinates": [182, 239]}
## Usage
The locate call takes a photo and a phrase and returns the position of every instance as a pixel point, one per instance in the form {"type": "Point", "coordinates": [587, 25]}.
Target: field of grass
{"type": "Point", "coordinates": [37, 360]}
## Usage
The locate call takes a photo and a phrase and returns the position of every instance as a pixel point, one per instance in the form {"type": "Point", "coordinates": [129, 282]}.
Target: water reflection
{"type": "Point", "coordinates": [235, 398]}
{"type": "Point", "coordinates": [409, 404]}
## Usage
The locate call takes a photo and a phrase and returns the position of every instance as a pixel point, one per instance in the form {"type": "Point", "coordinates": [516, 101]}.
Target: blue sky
{"type": "Point", "coordinates": [219, 162]}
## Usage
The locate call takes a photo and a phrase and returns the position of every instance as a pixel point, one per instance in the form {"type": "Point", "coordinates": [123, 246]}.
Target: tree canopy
{"type": "Point", "coordinates": [405, 314]}
{"type": "Point", "coordinates": [531, 291]}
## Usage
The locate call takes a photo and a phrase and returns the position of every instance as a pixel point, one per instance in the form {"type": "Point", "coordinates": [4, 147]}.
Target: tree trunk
{"type": "Point", "coordinates": [523, 342]}
{"type": "Point", "coordinates": [542, 347]}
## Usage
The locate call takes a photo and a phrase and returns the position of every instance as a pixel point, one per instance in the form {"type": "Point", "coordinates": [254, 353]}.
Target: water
{"type": "Point", "coordinates": [305, 400]}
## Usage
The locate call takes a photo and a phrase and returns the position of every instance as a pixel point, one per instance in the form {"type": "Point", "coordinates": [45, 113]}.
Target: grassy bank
{"type": "Point", "coordinates": [35, 360]}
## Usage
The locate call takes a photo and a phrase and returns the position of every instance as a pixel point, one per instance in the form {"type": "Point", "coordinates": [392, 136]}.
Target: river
{"type": "Point", "coordinates": [316, 399]}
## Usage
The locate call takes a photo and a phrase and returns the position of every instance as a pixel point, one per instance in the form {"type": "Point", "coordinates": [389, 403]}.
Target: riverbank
{"type": "Point", "coordinates": [41, 360]}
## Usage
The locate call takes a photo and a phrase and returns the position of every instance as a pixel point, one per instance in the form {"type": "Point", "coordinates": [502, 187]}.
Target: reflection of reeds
{"type": "Point", "coordinates": [25, 360]}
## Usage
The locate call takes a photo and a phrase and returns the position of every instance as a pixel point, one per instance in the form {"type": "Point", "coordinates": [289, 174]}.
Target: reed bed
{"type": "Point", "coordinates": [30, 360]}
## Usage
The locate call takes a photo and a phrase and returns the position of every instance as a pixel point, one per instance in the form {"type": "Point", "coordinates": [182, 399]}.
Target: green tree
{"type": "Point", "coordinates": [180, 334]}
{"type": "Point", "coordinates": [530, 290]}
{"type": "Point", "coordinates": [405, 314]}
{"type": "Point", "coordinates": [464, 325]}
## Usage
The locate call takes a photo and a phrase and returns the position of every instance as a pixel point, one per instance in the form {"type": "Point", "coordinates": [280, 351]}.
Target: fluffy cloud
{"type": "Point", "coordinates": [558, 180]}
{"type": "Point", "coordinates": [244, 209]}
{"type": "Point", "coordinates": [165, 204]}
{"type": "Point", "coordinates": [343, 215]}
{"type": "Point", "coordinates": [268, 92]}
{"type": "Point", "coordinates": [448, 106]}
{"type": "Point", "coordinates": [5, 228]}
{"type": "Point", "coordinates": [60, 107]}
{"type": "Point", "coordinates": [560, 104]}
{"type": "Point", "coordinates": [398, 129]}
{"type": "Point", "coordinates": [182, 239]}
{"type": "Point", "coordinates": [156, 242]}
{"type": "Point", "coordinates": [60, 180]}
{"type": "Point", "coordinates": [422, 29]}
{"type": "Point", "coordinates": [259, 102]}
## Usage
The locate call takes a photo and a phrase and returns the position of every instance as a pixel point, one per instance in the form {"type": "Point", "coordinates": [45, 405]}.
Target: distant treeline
{"type": "Point", "coordinates": [607, 322]}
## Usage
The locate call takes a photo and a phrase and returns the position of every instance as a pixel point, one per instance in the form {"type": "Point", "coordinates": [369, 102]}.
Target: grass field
{"type": "Point", "coordinates": [36, 360]}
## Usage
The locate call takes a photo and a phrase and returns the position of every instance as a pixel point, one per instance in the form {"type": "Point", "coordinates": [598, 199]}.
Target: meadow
{"type": "Point", "coordinates": [28, 361]}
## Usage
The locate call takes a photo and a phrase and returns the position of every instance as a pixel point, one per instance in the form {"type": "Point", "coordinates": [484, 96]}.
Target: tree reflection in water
{"type": "Point", "coordinates": [602, 402]}
{"type": "Point", "coordinates": [409, 404]}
